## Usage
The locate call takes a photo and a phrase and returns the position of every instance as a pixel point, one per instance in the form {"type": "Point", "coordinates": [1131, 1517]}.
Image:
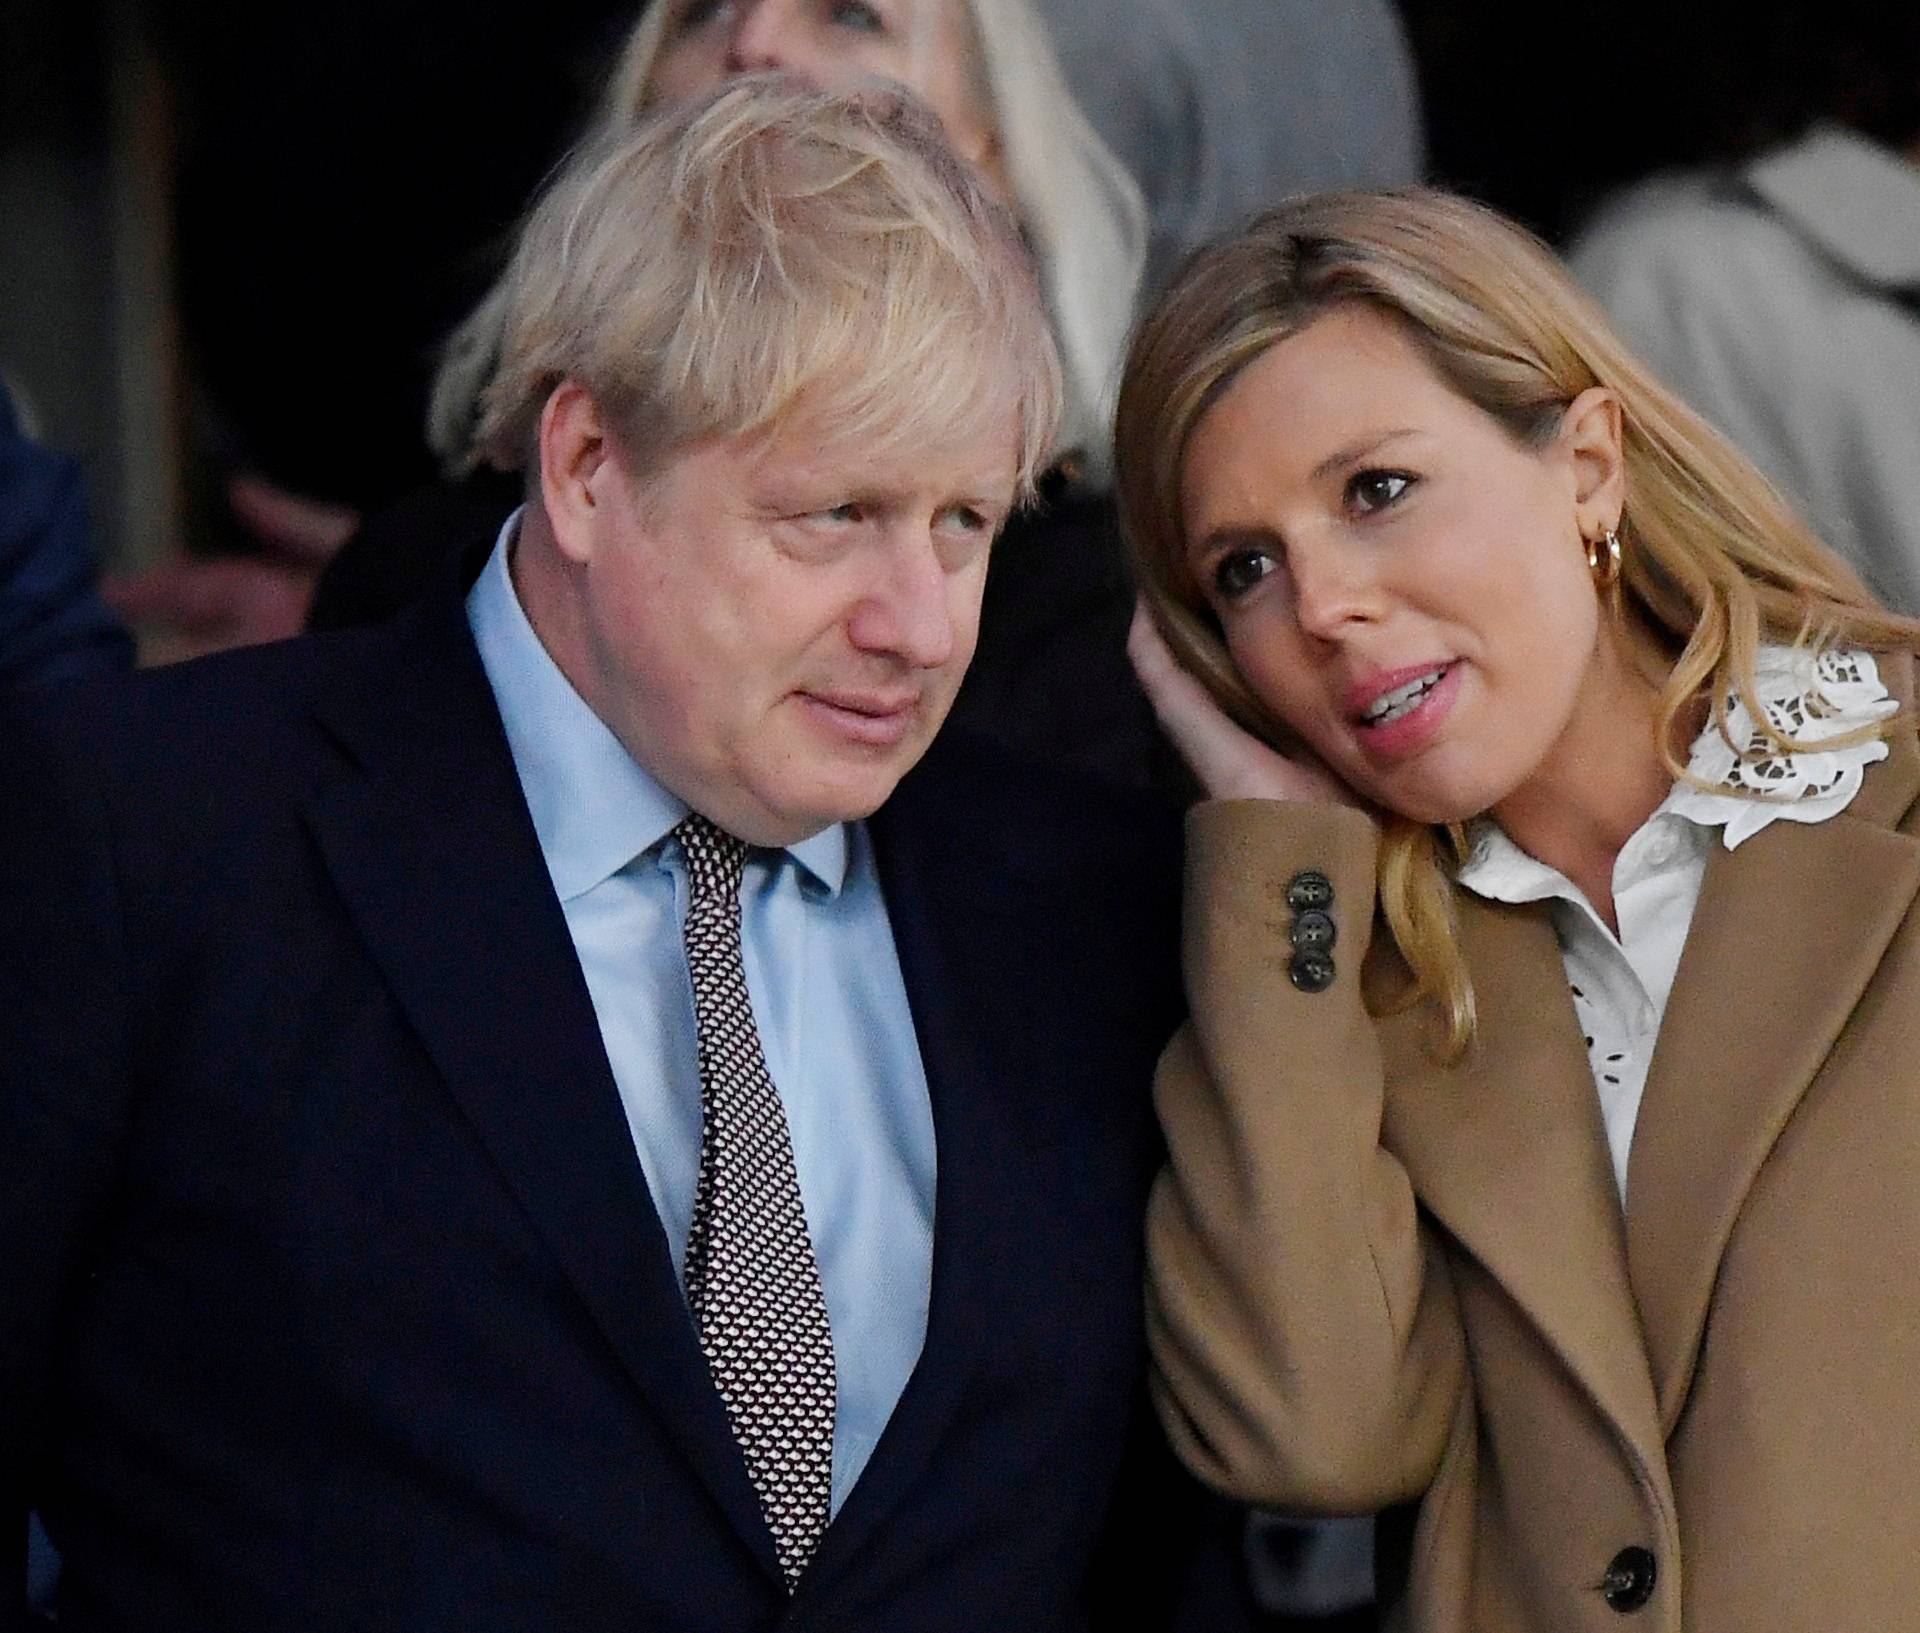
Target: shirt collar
{"type": "Point", "coordinates": [594, 807]}
{"type": "Point", "coordinates": [1812, 785]}
{"type": "Point", "coordinates": [1499, 870]}
{"type": "Point", "coordinates": [1855, 200]}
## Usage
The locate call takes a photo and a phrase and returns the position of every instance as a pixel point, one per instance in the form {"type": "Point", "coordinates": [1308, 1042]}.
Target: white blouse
{"type": "Point", "coordinates": [1621, 984]}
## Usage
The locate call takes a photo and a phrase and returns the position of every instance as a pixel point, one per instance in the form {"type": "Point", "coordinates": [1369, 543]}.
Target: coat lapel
{"type": "Point", "coordinates": [1789, 930]}
{"type": "Point", "coordinates": [1508, 1152]}
{"type": "Point", "coordinates": [426, 834]}
{"type": "Point", "coordinates": [946, 941]}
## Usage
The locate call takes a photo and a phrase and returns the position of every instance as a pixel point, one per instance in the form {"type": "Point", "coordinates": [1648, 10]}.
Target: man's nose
{"type": "Point", "coordinates": [909, 610]}
{"type": "Point", "coordinates": [761, 36]}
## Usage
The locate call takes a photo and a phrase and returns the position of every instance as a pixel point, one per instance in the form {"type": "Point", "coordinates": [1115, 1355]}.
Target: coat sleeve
{"type": "Point", "coordinates": [1307, 1351]}
{"type": "Point", "coordinates": [53, 627]}
{"type": "Point", "coordinates": [63, 1085]}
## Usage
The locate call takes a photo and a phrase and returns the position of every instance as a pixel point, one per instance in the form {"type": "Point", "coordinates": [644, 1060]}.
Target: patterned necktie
{"type": "Point", "coordinates": [752, 1282]}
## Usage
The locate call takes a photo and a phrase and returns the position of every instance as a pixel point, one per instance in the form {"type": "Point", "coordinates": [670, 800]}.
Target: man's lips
{"type": "Point", "coordinates": [880, 719]}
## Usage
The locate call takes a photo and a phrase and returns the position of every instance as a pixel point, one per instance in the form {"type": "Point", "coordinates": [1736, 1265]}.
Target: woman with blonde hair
{"type": "Point", "coordinates": [1545, 1144]}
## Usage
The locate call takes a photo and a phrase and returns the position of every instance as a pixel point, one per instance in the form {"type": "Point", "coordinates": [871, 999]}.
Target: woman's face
{"type": "Point", "coordinates": [1398, 579]}
{"type": "Point", "coordinates": [925, 45]}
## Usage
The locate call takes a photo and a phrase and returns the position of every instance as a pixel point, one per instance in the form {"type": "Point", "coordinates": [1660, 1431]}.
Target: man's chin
{"type": "Point", "coordinates": [850, 788]}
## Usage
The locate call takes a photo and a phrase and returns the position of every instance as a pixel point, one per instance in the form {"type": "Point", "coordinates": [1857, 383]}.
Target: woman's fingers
{"type": "Point", "coordinates": [1230, 761]}
{"type": "Point", "coordinates": [1184, 706]}
{"type": "Point", "coordinates": [308, 530]}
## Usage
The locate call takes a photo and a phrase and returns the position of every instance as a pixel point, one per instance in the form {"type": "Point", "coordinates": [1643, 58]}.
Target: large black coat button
{"type": "Point", "coordinates": [1311, 971]}
{"type": "Point", "coordinates": [1313, 931]}
{"type": "Point", "coordinates": [1310, 891]}
{"type": "Point", "coordinates": [1628, 1583]}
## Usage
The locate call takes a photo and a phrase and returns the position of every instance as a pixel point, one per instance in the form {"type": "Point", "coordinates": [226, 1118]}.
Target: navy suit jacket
{"type": "Point", "coordinates": [52, 625]}
{"type": "Point", "coordinates": [336, 1297]}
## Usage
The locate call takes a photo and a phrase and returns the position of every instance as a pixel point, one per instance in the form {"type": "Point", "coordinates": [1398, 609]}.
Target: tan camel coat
{"type": "Point", "coordinates": [1375, 1279]}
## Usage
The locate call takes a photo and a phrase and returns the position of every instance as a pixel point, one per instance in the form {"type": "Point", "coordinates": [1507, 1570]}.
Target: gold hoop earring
{"type": "Point", "coordinates": [1603, 560]}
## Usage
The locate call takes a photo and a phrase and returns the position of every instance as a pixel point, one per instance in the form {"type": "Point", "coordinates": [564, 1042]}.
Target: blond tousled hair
{"type": "Point", "coordinates": [766, 250]}
{"type": "Point", "coordinates": [1080, 211]}
{"type": "Point", "coordinates": [1715, 560]}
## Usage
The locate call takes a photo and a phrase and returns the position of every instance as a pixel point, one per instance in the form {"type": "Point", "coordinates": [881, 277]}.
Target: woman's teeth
{"type": "Point", "coordinates": [1402, 699]}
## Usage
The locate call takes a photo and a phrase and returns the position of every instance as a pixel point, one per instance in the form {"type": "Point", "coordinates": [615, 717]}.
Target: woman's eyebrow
{"type": "Point", "coordinates": [1354, 452]}
{"type": "Point", "coordinates": [1225, 537]}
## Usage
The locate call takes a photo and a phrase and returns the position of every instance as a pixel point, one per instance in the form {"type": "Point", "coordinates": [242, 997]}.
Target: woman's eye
{"type": "Point", "coordinates": [1238, 571]}
{"type": "Point", "coordinates": [1375, 490]}
{"type": "Point", "coordinates": [698, 13]}
{"type": "Point", "coordinates": [856, 14]}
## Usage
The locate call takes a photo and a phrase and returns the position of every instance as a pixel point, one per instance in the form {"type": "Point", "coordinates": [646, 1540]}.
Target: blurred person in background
{"type": "Point", "coordinates": [1779, 289]}
{"type": "Point", "coordinates": [53, 626]}
{"type": "Point", "coordinates": [1219, 108]}
{"type": "Point", "coordinates": [294, 140]}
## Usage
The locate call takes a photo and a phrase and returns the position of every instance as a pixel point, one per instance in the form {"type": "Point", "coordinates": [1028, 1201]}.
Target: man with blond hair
{"type": "Point", "coordinates": [551, 1114]}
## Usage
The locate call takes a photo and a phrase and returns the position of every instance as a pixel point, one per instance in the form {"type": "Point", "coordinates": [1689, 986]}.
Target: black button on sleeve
{"type": "Point", "coordinates": [1310, 892]}
{"type": "Point", "coordinates": [1629, 1581]}
{"type": "Point", "coordinates": [1311, 972]}
{"type": "Point", "coordinates": [1313, 931]}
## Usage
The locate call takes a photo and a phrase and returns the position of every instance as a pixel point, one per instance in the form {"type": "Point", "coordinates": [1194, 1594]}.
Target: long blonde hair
{"type": "Point", "coordinates": [1080, 210]}
{"type": "Point", "coordinates": [1715, 560]}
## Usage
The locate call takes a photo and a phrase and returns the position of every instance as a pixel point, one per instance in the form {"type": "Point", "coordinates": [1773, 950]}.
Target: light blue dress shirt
{"type": "Point", "coordinates": [824, 978]}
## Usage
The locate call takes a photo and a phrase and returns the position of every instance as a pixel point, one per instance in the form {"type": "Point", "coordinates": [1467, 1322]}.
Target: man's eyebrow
{"type": "Point", "coordinates": [1354, 452]}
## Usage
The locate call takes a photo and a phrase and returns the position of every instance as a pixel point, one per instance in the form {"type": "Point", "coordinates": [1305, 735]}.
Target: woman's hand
{"type": "Point", "coordinates": [1230, 762]}
{"type": "Point", "coordinates": [187, 605]}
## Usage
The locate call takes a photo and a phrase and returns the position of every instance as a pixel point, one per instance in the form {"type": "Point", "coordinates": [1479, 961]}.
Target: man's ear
{"type": "Point", "coordinates": [575, 466]}
{"type": "Point", "coordinates": [1592, 437]}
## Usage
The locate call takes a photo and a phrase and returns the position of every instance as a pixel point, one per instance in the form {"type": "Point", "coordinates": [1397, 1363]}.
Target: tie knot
{"type": "Point", "coordinates": [715, 858]}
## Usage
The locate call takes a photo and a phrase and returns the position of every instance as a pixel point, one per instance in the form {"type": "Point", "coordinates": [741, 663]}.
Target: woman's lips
{"type": "Point", "coordinates": [1408, 732]}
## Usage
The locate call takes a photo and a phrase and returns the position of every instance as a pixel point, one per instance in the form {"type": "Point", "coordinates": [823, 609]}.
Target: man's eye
{"type": "Point", "coordinates": [698, 13]}
{"type": "Point", "coordinates": [852, 512]}
{"type": "Point", "coordinates": [856, 14]}
{"type": "Point", "coordinates": [1238, 571]}
{"type": "Point", "coordinates": [1375, 490]}
{"type": "Point", "coordinates": [968, 519]}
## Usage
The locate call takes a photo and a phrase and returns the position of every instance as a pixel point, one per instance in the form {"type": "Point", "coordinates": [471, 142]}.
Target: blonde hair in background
{"type": "Point", "coordinates": [767, 249]}
{"type": "Point", "coordinates": [1716, 561]}
{"type": "Point", "coordinates": [1080, 211]}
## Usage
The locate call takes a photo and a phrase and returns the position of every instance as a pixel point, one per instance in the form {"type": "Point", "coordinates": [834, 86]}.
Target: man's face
{"type": "Point", "coordinates": [775, 626]}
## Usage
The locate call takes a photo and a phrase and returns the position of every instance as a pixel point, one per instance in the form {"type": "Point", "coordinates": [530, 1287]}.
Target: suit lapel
{"type": "Point", "coordinates": [1508, 1152]}
{"type": "Point", "coordinates": [1788, 932]}
{"type": "Point", "coordinates": [945, 940]}
{"type": "Point", "coordinates": [427, 837]}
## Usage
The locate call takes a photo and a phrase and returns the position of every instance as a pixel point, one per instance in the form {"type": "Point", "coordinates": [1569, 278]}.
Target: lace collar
{"type": "Point", "coordinates": [1810, 701]}
{"type": "Point", "coordinates": [1806, 699]}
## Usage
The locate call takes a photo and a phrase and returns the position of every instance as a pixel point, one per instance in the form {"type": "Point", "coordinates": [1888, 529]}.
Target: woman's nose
{"type": "Point", "coordinates": [1333, 589]}
{"type": "Point", "coordinates": [761, 37]}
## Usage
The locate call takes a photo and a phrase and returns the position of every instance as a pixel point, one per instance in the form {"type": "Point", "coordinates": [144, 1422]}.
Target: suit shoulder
{"type": "Point", "coordinates": [229, 720]}
{"type": "Point", "coordinates": [973, 782]}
